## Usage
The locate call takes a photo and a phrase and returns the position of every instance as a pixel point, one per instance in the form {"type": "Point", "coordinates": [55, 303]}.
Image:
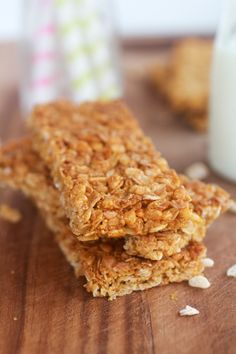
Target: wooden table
{"type": "Point", "coordinates": [45, 310]}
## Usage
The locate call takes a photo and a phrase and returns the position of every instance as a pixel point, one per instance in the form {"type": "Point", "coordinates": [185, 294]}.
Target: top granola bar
{"type": "Point", "coordinates": [112, 181]}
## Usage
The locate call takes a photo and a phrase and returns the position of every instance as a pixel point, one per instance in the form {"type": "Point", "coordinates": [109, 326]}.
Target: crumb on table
{"type": "Point", "coordinates": [10, 214]}
{"type": "Point", "coordinates": [173, 296]}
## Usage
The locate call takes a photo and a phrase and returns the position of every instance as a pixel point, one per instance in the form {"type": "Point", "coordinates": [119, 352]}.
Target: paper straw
{"type": "Point", "coordinates": [79, 69]}
{"type": "Point", "coordinates": [86, 48]}
{"type": "Point", "coordinates": [98, 39]}
{"type": "Point", "coordinates": [45, 71]}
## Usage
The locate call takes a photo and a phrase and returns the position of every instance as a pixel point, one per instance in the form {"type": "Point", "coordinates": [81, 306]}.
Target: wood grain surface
{"type": "Point", "coordinates": [45, 310]}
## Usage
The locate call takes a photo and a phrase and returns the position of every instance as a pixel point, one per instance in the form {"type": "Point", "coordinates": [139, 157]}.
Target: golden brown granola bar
{"type": "Point", "coordinates": [208, 201]}
{"type": "Point", "coordinates": [184, 80]}
{"type": "Point", "coordinates": [108, 269]}
{"type": "Point", "coordinates": [198, 121]}
{"type": "Point", "coordinates": [111, 272]}
{"type": "Point", "coordinates": [111, 179]}
{"type": "Point", "coordinates": [191, 68]}
{"type": "Point", "coordinates": [21, 167]}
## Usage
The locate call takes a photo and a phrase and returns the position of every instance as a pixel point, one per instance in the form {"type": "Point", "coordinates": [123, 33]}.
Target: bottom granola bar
{"type": "Point", "coordinates": [111, 272]}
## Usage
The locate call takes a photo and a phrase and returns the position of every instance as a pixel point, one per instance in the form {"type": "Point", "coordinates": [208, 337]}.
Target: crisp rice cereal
{"type": "Point", "coordinates": [199, 281]}
{"type": "Point", "coordinates": [232, 208]}
{"type": "Point", "coordinates": [231, 272]}
{"type": "Point", "coordinates": [208, 262]}
{"type": "Point", "coordinates": [197, 170]}
{"type": "Point", "coordinates": [188, 311]}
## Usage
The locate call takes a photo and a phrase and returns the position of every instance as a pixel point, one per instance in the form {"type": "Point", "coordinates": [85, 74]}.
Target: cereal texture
{"type": "Point", "coordinates": [109, 271]}
{"type": "Point", "coordinates": [21, 168]}
{"type": "Point", "coordinates": [111, 179]}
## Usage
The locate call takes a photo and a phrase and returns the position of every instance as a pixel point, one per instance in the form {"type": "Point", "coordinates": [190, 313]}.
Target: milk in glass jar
{"type": "Point", "coordinates": [222, 149]}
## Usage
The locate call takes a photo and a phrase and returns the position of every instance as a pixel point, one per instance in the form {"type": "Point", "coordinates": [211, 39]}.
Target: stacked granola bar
{"type": "Point", "coordinates": [184, 80]}
{"type": "Point", "coordinates": [121, 216]}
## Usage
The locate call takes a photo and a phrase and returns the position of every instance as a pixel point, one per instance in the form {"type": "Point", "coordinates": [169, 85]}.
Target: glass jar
{"type": "Point", "coordinates": [222, 131]}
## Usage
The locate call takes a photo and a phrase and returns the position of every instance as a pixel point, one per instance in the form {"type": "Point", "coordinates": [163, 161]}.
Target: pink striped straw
{"type": "Point", "coordinates": [42, 56]}
{"type": "Point", "coordinates": [44, 82]}
{"type": "Point", "coordinates": [46, 30]}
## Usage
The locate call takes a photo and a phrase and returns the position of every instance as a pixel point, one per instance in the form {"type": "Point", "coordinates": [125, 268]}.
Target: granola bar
{"type": "Point", "coordinates": [208, 202]}
{"type": "Point", "coordinates": [21, 168]}
{"type": "Point", "coordinates": [111, 179]}
{"type": "Point", "coordinates": [108, 269]}
{"type": "Point", "coordinates": [184, 80]}
{"type": "Point", "coordinates": [111, 272]}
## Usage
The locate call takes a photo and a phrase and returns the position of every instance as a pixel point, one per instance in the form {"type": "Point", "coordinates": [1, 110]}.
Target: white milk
{"type": "Point", "coordinates": [222, 140]}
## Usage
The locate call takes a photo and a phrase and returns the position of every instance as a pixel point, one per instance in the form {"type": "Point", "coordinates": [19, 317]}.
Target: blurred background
{"type": "Point", "coordinates": [149, 18]}
{"type": "Point", "coordinates": [151, 21]}
{"type": "Point", "coordinates": [146, 32]}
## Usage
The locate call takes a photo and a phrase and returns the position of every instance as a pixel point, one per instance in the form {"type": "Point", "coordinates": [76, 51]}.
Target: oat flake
{"type": "Point", "coordinates": [199, 281]}
{"type": "Point", "coordinates": [188, 311]}
{"type": "Point", "coordinates": [231, 272]}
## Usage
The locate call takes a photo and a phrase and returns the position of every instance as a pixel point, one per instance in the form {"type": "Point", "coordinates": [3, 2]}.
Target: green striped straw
{"type": "Point", "coordinates": [87, 50]}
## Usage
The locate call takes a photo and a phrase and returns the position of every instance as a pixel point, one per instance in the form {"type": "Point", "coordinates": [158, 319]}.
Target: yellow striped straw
{"type": "Point", "coordinates": [71, 38]}
{"type": "Point", "coordinates": [87, 51]}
